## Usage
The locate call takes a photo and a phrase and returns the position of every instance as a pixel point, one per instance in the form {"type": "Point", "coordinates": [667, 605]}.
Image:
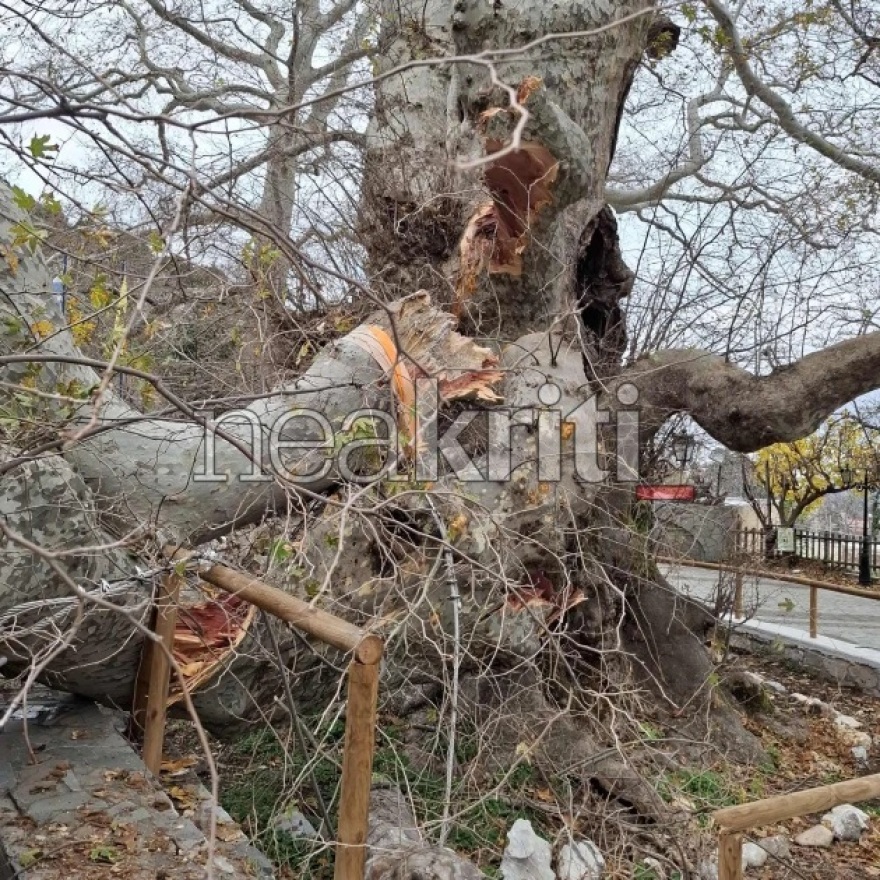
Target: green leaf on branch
{"type": "Point", "coordinates": [22, 199]}
{"type": "Point", "coordinates": [41, 146]}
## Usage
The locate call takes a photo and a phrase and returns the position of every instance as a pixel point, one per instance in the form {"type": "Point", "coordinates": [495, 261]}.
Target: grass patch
{"type": "Point", "coordinates": [259, 785]}
{"type": "Point", "coordinates": [708, 790]}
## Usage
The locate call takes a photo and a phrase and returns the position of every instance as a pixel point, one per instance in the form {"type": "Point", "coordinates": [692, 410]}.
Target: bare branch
{"type": "Point", "coordinates": [757, 88]}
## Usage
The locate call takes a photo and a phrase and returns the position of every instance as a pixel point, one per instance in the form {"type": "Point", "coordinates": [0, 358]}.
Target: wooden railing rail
{"type": "Point", "coordinates": [747, 571]}
{"type": "Point", "coordinates": [740, 572]}
{"type": "Point", "coordinates": [332, 630]}
{"type": "Point", "coordinates": [365, 648]}
{"type": "Point", "coordinates": [732, 821]}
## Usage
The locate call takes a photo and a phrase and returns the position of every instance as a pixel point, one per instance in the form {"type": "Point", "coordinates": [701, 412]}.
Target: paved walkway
{"type": "Point", "coordinates": [87, 809]}
{"type": "Point", "coordinates": [847, 649]}
{"type": "Point", "coordinates": [850, 618]}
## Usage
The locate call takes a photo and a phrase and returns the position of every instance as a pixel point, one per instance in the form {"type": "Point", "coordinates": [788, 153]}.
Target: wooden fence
{"type": "Point", "coordinates": [835, 550]}
{"type": "Point", "coordinates": [733, 821]}
{"type": "Point", "coordinates": [740, 572]}
{"type": "Point", "coordinates": [366, 651]}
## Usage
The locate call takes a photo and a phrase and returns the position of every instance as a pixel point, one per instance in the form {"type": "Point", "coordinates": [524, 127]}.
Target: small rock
{"type": "Point", "coordinates": [860, 756]}
{"type": "Point", "coordinates": [813, 705]}
{"type": "Point", "coordinates": [753, 856]}
{"type": "Point", "coordinates": [846, 722]}
{"type": "Point", "coordinates": [580, 861]}
{"type": "Point", "coordinates": [204, 810]}
{"type": "Point", "coordinates": [817, 707]}
{"type": "Point", "coordinates": [653, 865]}
{"type": "Point", "coordinates": [295, 824]}
{"type": "Point", "coordinates": [847, 822]}
{"type": "Point", "coordinates": [708, 870]}
{"type": "Point", "coordinates": [526, 856]}
{"type": "Point", "coordinates": [223, 865]}
{"type": "Point", "coordinates": [857, 738]}
{"type": "Point", "coordinates": [818, 835]}
{"type": "Point", "coordinates": [777, 846]}
{"type": "Point", "coordinates": [775, 686]}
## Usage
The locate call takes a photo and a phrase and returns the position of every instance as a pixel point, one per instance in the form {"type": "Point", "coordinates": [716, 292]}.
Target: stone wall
{"type": "Point", "coordinates": [704, 532]}
{"type": "Point", "coordinates": [830, 660]}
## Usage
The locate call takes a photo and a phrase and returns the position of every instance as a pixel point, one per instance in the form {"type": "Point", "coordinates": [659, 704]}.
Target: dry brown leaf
{"type": "Point", "coordinates": [227, 833]}
{"type": "Point", "coordinates": [178, 766]}
{"type": "Point", "coordinates": [183, 797]}
{"type": "Point", "coordinates": [528, 87]}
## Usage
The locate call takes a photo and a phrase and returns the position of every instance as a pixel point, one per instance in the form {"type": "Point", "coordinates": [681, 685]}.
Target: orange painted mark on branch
{"type": "Point", "coordinates": [379, 344]}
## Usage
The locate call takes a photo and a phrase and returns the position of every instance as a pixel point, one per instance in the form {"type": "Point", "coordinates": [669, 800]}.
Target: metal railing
{"type": "Point", "coordinates": [835, 550]}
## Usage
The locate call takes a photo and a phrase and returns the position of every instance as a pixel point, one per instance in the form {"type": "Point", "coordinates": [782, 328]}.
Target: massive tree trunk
{"type": "Point", "coordinates": [530, 582]}
{"type": "Point", "coordinates": [516, 241]}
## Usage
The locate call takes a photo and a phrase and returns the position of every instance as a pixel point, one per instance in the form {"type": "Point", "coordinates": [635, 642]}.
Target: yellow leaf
{"type": "Point", "coordinates": [174, 768]}
{"type": "Point", "coordinates": [227, 833]}
{"type": "Point", "coordinates": [523, 750]}
{"type": "Point", "coordinates": [184, 798]}
{"type": "Point", "coordinates": [42, 329]}
{"type": "Point", "coordinates": [11, 258]}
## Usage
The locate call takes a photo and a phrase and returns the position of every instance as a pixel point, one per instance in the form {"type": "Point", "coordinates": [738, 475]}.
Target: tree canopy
{"type": "Point", "coordinates": [839, 457]}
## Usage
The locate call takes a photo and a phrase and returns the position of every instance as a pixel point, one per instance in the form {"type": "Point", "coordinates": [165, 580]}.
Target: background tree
{"type": "Point", "coordinates": [796, 476]}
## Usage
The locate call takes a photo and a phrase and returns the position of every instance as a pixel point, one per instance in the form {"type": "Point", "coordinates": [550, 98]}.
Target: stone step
{"type": "Point", "coordinates": [88, 808]}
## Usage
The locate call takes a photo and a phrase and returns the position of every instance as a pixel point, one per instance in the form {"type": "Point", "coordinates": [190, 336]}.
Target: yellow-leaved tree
{"type": "Point", "coordinates": [793, 478]}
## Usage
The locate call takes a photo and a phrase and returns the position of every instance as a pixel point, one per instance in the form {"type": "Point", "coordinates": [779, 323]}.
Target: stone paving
{"type": "Point", "coordinates": [76, 802]}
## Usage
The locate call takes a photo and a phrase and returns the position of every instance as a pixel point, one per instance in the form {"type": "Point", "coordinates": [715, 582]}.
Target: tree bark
{"type": "Point", "coordinates": [502, 241]}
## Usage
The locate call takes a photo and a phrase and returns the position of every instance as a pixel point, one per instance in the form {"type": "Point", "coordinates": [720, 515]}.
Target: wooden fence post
{"type": "Point", "coordinates": [151, 697]}
{"type": "Point", "coordinates": [814, 612]}
{"type": "Point", "coordinates": [367, 650]}
{"type": "Point", "coordinates": [357, 770]}
{"type": "Point", "coordinates": [730, 855]}
{"type": "Point", "coordinates": [738, 595]}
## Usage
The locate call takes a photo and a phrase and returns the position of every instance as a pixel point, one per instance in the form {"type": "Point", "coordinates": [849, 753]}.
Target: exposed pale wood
{"type": "Point", "coordinates": [814, 612]}
{"type": "Point", "coordinates": [328, 628]}
{"type": "Point", "coordinates": [773, 575]}
{"type": "Point", "coordinates": [730, 856]}
{"type": "Point", "coordinates": [357, 770]}
{"type": "Point", "coordinates": [363, 691]}
{"type": "Point", "coordinates": [801, 803]}
{"type": "Point", "coordinates": [158, 670]}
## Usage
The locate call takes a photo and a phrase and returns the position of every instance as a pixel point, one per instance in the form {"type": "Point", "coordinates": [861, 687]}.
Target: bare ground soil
{"type": "Point", "coordinates": [263, 776]}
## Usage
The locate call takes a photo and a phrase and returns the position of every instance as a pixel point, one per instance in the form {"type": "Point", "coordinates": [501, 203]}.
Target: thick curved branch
{"type": "Point", "coordinates": [747, 412]}
{"type": "Point", "coordinates": [784, 113]}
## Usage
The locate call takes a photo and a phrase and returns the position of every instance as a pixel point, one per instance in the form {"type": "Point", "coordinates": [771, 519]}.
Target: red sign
{"type": "Point", "coordinates": [665, 493]}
